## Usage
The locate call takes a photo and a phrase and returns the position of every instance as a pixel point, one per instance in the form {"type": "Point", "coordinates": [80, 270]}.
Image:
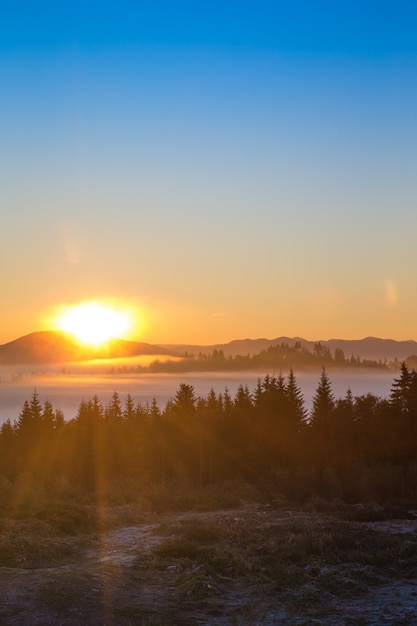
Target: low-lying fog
{"type": "Point", "coordinates": [66, 387]}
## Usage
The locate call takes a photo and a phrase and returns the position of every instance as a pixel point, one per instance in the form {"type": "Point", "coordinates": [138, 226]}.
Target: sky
{"type": "Point", "coordinates": [223, 169]}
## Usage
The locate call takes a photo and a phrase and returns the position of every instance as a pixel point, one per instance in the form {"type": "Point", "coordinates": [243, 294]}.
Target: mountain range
{"type": "Point", "coordinates": [58, 347]}
{"type": "Point", "coordinates": [371, 348]}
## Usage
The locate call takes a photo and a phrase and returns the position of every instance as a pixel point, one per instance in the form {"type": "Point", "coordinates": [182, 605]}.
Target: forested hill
{"type": "Point", "coordinates": [274, 358]}
{"type": "Point", "coordinates": [369, 348]}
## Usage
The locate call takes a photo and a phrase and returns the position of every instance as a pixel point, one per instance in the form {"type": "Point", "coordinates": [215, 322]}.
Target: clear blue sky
{"type": "Point", "coordinates": [231, 169]}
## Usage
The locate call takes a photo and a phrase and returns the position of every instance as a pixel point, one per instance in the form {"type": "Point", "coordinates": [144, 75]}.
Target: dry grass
{"type": "Point", "coordinates": [222, 567]}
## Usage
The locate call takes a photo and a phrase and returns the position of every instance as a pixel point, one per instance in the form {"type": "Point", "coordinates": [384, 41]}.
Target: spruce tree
{"type": "Point", "coordinates": [323, 402]}
{"type": "Point", "coordinates": [297, 410]}
{"type": "Point", "coordinates": [400, 390]}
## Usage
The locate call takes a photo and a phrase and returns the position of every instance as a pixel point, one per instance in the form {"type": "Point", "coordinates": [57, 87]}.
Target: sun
{"type": "Point", "coordinates": [93, 323]}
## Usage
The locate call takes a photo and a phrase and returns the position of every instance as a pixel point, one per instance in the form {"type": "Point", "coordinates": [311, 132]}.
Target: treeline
{"type": "Point", "coordinates": [353, 448]}
{"type": "Point", "coordinates": [282, 356]}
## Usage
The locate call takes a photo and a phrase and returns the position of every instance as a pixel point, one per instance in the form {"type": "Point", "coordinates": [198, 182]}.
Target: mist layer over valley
{"type": "Point", "coordinates": [66, 390]}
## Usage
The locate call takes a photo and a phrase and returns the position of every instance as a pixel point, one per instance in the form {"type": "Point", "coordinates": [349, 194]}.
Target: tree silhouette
{"type": "Point", "coordinates": [399, 396]}
{"type": "Point", "coordinates": [184, 401]}
{"type": "Point", "coordinates": [297, 410]}
{"type": "Point", "coordinates": [323, 402]}
{"type": "Point", "coordinates": [321, 422]}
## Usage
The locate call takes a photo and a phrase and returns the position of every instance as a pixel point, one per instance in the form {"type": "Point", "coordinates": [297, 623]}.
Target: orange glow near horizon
{"type": "Point", "coordinates": [93, 323]}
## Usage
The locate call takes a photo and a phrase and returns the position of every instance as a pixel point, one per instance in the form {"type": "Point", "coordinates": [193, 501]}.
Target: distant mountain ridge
{"type": "Point", "coordinates": [371, 348]}
{"type": "Point", "coordinates": [58, 347]}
